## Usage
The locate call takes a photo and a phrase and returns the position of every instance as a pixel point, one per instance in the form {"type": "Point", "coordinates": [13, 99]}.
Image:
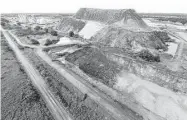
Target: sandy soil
{"type": "Point", "coordinates": [159, 100]}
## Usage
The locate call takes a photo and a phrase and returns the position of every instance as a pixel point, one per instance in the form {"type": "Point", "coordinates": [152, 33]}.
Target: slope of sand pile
{"type": "Point", "coordinates": [70, 24]}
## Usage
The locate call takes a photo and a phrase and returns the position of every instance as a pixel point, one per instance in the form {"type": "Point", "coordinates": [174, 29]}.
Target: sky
{"type": "Point", "coordinates": [71, 6]}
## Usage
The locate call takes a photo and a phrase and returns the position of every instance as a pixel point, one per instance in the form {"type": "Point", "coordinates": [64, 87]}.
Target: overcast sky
{"type": "Point", "coordinates": [71, 6]}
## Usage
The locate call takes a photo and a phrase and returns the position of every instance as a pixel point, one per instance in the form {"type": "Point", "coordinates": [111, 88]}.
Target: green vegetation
{"type": "Point", "coordinates": [71, 34]}
{"type": "Point", "coordinates": [147, 56]}
{"type": "Point", "coordinates": [174, 19]}
{"type": "Point", "coordinates": [54, 33]}
{"type": "Point", "coordinates": [29, 31]}
{"type": "Point", "coordinates": [163, 36]}
{"type": "Point", "coordinates": [37, 28]}
{"type": "Point", "coordinates": [50, 42]}
{"type": "Point", "coordinates": [34, 42]}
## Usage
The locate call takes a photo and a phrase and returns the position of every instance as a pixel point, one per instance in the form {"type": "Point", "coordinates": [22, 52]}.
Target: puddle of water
{"type": "Point", "coordinates": [90, 29]}
{"type": "Point", "coordinates": [172, 48]}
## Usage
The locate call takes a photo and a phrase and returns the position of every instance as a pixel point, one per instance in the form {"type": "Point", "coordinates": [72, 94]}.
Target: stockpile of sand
{"type": "Point", "coordinates": [114, 36]}
{"type": "Point", "coordinates": [109, 16]}
{"type": "Point", "coordinates": [70, 24]}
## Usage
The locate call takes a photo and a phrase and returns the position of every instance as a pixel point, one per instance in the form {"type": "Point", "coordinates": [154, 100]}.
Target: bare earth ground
{"type": "Point", "coordinates": [20, 100]}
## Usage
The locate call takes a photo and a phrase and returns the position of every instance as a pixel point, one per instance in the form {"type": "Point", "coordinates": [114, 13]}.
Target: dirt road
{"type": "Point", "coordinates": [54, 106]}
{"type": "Point", "coordinates": [177, 58]}
{"type": "Point", "coordinates": [183, 35]}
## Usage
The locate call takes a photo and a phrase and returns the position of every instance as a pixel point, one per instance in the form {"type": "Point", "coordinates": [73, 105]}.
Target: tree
{"type": "Point", "coordinates": [147, 56]}
{"type": "Point", "coordinates": [35, 42]}
{"type": "Point", "coordinates": [37, 28]}
{"type": "Point", "coordinates": [48, 42]}
{"type": "Point", "coordinates": [71, 34]}
{"type": "Point", "coordinates": [46, 30]}
{"type": "Point", "coordinates": [54, 33]}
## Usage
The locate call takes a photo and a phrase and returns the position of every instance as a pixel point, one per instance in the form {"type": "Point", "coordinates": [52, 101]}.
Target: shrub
{"type": "Point", "coordinates": [147, 56]}
{"type": "Point", "coordinates": [35, 42]}
{"type": "Point", "coordinates": [37, 28]}
{"type": "Point", "coordinates": [18, 23]}
{"type": "Point", "coordinates": [4, 20]}
{"type": "Point", "coordinates": [48, 42]}
{"type": "Point", "coordinates": [76, 36]}
{"type": "Point", "coordinates": [163, 36]}
{"type": "Point", "coordinates": [3, 23]}
{"type": "Point", "coordinates": [178, 19]}
{"type": "Point", "coordinates": [71, 34]}
{"type": "Point", "coordinates": [46, 30]}
{"type": "Point", "coordinates": [54, 33]}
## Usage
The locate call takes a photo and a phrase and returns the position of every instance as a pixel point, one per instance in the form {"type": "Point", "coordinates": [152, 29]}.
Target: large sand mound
{"type": "Point", "coordinates": [109, 16]}
{"type": "Point", "coordinates": [70, 24]}
{"type": "Point", "coordinates": [114, 36]}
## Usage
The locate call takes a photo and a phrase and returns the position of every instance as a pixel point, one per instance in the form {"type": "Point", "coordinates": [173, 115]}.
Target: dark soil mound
{"type": "Point", "coordinates": [95, 63]}
{"type": "Point", "coordinates": [113, 36]}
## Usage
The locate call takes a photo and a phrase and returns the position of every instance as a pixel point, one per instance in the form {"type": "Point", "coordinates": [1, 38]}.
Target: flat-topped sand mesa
{"type": "Point", "coordinates": [109, 16]}
{"type": "Point", "coordinates": [126, 18]}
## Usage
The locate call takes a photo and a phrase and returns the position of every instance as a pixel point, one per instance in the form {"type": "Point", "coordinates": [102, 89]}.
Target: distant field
{"type": "Point", "coordinates": [176, 18]}
{"type": "Point", "coordinates": [168, 15]}
{"type": "Point", "coordinates": [38, 14]}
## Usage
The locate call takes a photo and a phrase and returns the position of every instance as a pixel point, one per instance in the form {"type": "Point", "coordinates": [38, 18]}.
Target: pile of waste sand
{"type": "Point", "coordinates": [118, 37]}
{"type": "Point", "coordinates": [70, 24]}
{"type": "Point", "coordinates": [109, 16]}
{"type": "Point", "coordinates": [159, 100]}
